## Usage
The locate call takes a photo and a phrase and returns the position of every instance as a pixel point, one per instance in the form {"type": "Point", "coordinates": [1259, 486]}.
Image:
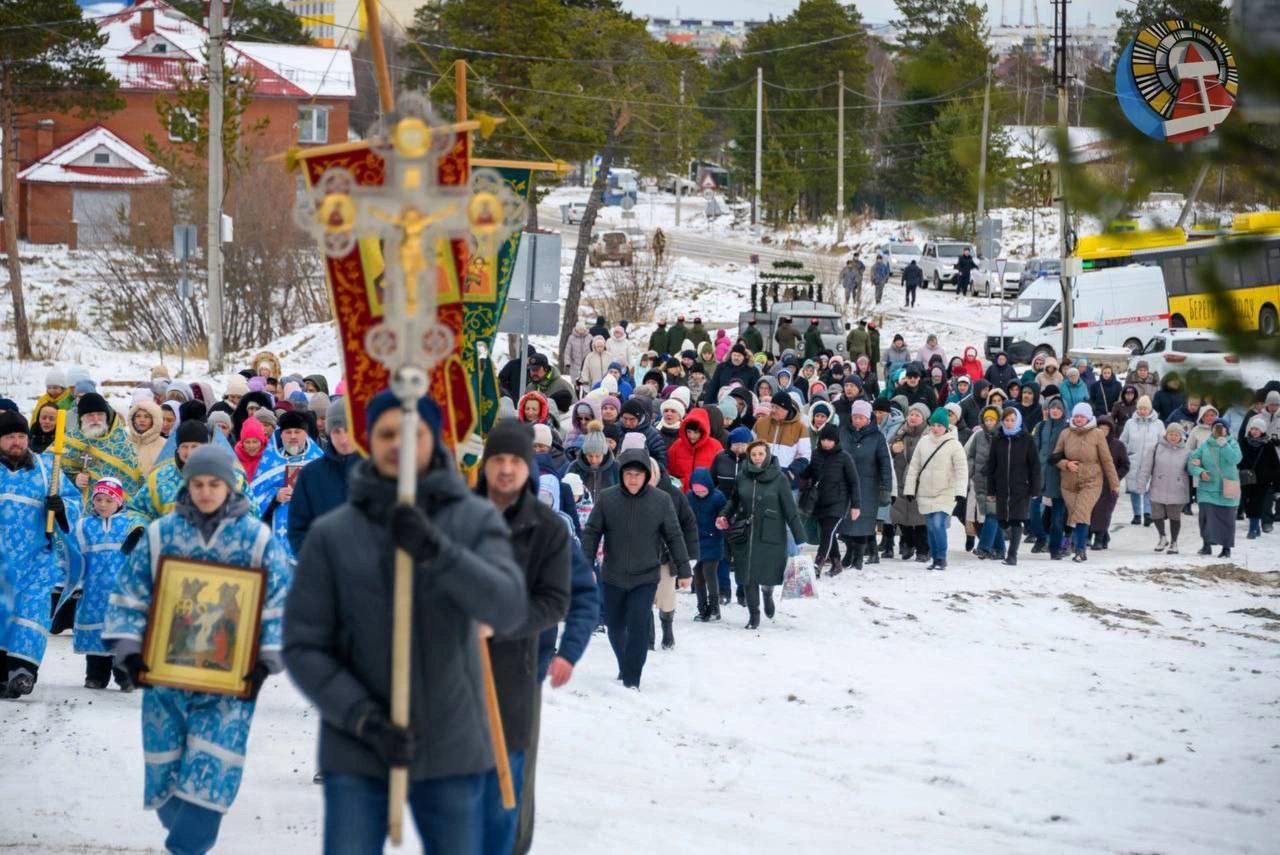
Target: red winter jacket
{"type": "Point", "coordinates": [683, 458]}
{"type": "Point", "coordinates": [972, 364]}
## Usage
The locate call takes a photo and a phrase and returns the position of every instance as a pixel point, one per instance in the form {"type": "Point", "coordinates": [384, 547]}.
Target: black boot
{"type": "Point", "coordinates": [713, 611]}
{"type": "Point", "coordinates": [1097, 540]}
{"type": "Point", "coordinates": [1014, 537]}
{"type": "Point", "coordinates": [873, 555]}
{"type": "Point", "coordinates": [1146, 520]}
{"type": "Point", "coordinates": [969, 542]}
{"type": "Point", "coordinates": [768, 602]}
{"type": "Point", "coordinates": [668, 630]}
{"type": "Point", "coordinates": [1041, 546]}
{"type": "Point", "coordinates": [1206, 549]}
{"type": "Point", "coordinates": [753, 619]}
{"type": "Point", "coordinates": [701, 591]}
{"type": "Point", "coordinates": [1136, 520]}
{"type": "Point", "coordinates": [847, 561]}
{"type": "Point", "coordinates": [1225, 553]}
{"type": "Point", "coordinates": [904, 546]}
{"type": "Point", "coordinates": [856, 550]}
{"type": "Point", "coordinates": [742, 596]}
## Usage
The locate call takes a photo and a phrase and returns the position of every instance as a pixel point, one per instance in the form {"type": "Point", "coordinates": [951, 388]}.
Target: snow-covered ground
{"type": "Point", "coordinates": [1123, 705]}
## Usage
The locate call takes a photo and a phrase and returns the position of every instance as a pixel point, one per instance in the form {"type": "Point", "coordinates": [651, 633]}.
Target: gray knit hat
{"type": "Point", "coordinates": [595, 443]}
{"type": "Point", "coordinates": [336, 416]}
{"type": "Point", "coordinates": [210, 460]}
{"type": "Point", "coordinates": [266, 417]}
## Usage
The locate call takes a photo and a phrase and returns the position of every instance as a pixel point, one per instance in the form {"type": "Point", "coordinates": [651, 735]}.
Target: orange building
{"type": "Point", "coordinates": [76, 174]}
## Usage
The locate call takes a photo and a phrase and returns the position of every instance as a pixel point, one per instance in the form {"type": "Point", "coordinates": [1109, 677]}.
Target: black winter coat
{"type": "Point", "coordinates": [1013, 474]}
{"type": "Point", "coordinates": [726, 373]}
{"type": "Point", "coordinates": [638, 531]}
{"type": "Point", "coordinates": [724, 471]}
{"type": "Point", "coordinates": [321, 487]}
{"type": "Point", "coordinates": [870, 454]}
{"type": "Point", "coordinates": [833, 476]}
{"type": "Point", "coordinates": [1103, 395]}
{"type": "Point", "coordinates": [912, 276]}
{"type": "Point", "coordinates": [540, 541]}
{"type": "Point", "coordinates": [339, 609]}
{"type": "Point", "coordinates": [1167, 401]}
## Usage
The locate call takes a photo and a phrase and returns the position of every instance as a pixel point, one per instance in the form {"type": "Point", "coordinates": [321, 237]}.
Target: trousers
{"type": "Point", "coordinates": [627, 614]}
{"type": "Point", "coordinates": [447, 811]}
{"type": "Point", "coordinates": [935, 524]}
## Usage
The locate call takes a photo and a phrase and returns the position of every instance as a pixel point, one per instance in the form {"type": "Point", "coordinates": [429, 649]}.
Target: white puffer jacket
{"type": "Point", "coordinates": [1139, 437]}
{"type": "Point", "coordinates": [946, 476]}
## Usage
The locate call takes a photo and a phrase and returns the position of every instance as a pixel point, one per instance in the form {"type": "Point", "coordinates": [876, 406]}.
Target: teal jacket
{"type": "Point", "coordinates": [1220, 461]}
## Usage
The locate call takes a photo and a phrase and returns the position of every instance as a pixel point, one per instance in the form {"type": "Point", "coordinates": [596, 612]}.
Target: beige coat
{"type": "Point", "coordinates": [937, 485]}
{"type": "Point", "coordinates": [1081, 489]}
{"type": "Point", "coordinates": [147, 445]}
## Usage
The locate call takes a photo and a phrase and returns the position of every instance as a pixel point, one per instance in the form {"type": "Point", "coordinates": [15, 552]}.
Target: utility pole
{"type": "Point", "coordinates": [1064, 214]}
{"type": "Point", "coordinates": [213, 251]}
{"type": "Point", "coordinates": [982, 156]}
{"type": "Point", "coordinates": [840, 156]}
{"type": "Point", "coordinates": [755, 207]}
{"type": "Point", "coordinates": [684, 167]}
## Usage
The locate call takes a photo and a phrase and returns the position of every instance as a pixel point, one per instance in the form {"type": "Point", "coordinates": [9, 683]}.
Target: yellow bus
{"type": "Point", "coordinates": [1252, 279]}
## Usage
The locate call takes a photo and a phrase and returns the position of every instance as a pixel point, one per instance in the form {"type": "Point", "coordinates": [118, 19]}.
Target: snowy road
{"type": "Point", "coordinates": [1116, 706]}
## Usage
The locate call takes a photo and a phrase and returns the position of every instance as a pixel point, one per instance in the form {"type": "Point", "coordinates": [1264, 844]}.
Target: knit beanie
{"type": "Point", "coordinates": [541, 434]}
{"type": "Point", "coordinates": [741, 435]}
{"type": "Point", "coordinates": [218, 417]}
{"type": "Point", "coordinates": [1259, 423]}
{"type": "Point", "coordinates": [728, 408]}
{"type": "Point", "coordinates": [671, 404]}
{"type": "Point", "coordinates": [829, 431]}
{"type": "Point", "coordinates": [237, 385]}
{"type": "Point", "coordinates": [1082, 409]}
{"type": "Point", "coordinates": [192, 431]}
{"type": "Point", "coordinates": [635, 439]}
{"type": "Point", "coordinates": [860, 408]}
{"type": "Point", "coordinates": [266, 417]}
{"type": "Point", "coordinates": [1143, 401]}
{"type": "Point", "coordinates": [595, 442]}
{"type": "Point", "coordinates": [56, 377]}
{"type": "Point", "coordinates": [882, 405]}
{"type": "Point", "coordinates": [510, 436]}
{"type": "Point", "coordinates": [210, 460]}
{"type": "Point", "coordinates": [191, 411]}
{"type": "Point", "coordinates": [83, 387]}
{"type": "Point", "coordinates": [335, 416]}
{"type": "Point", "coordinates": [954, 409]}
{"type": "Point", "coordinates": [252, 429]}
{"type": "Point", "coordinates": [922, 409]}
{"type": "Point", "coordinates": [681, 394]}
{"type": "Point", "coordinates": [12, 422]}
{"type": "Point", "coordinates": [940, 417]}
{"type": "Point", "coordinates": [634, 408]}
{"type": "Point", "coordinates": [613, 431]}
{"type": "Point", "coordinates": [385, 400]}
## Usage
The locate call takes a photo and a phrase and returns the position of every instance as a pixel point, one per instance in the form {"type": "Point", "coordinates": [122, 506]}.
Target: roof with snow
{"type": "Point", "coordinates": [1039, 143]}
{"type": "Point", "coordinates": [156, 58]}
{"type": "Point", "coordinates": [97, 156]}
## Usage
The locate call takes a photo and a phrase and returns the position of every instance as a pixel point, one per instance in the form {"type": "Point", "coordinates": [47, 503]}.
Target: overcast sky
{"type": "Point", "coordinates": [1103, 11]}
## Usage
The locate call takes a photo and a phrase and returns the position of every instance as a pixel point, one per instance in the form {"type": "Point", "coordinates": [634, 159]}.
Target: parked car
{"type": "Point", "coordinates": [670, 181]}
{"type": "Point", "coordinates": [830, 323]}
{"type": "Point", "coordinates": [899, 255]}
{"type": "Point", "coordinates": [1036, 268]}
{"type": "Point", "coordinates": [1184, 350]}
{"type": "Point", "coordinates": [611, 246]}
{"type": "Point", "coordinates": [938, 260]}
{"type": "Point", "coordinates": [573, 212]}
{"type": "Point", "coordinates": [984, 278]}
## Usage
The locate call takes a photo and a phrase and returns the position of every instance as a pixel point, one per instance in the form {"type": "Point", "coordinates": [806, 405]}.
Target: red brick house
{"type": "Point", "coordinates": [76, 174]}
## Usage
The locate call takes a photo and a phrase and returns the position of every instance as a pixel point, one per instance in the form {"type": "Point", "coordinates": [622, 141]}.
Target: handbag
{"type": "Point", "coordinates": [808, 502]}
{"type": "Point", "coordinates": [739, 531]}
{"type": "Point", "coordinates": [1231, 488]}
{"type": "Point", "coordinates": [1248, 477]}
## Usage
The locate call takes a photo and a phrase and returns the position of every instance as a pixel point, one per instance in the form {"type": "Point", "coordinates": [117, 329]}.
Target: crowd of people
{"type": "Point", "coordinates": [615, 476]}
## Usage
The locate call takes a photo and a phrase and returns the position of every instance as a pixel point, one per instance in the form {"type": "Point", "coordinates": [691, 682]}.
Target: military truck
{"type": "Point", "coordinates": [830, 322]}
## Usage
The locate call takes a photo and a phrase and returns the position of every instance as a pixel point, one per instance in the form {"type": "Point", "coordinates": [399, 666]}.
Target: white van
{"type": "Point", "coordinates": [1114, 307]}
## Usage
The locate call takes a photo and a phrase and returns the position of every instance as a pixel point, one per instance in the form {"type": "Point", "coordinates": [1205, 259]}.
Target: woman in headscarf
{"type": "Point", "coordinates": [145, 421]}
{"type": "Point", "coordinates": [1028, 405]}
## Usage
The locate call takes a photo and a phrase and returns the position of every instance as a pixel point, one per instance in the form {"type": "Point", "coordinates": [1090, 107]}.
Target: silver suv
{"type": "Point", "coordinates": [938, 260]}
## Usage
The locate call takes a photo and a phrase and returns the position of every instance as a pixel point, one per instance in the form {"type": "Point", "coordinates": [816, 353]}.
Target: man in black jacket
{"type": "Point", "coordinates": [540, 540]}
{"type": "Point", "coordinates": [337, 636]}
{"type": "Point", "coordinates": [635, 521]}
{"type": "Point", "coordinates": [912, 278]}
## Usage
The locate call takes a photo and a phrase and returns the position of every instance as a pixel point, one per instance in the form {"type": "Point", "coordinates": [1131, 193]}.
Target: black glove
{"type": "Point", "coordinates": [394, 744]}
{"type": "Point", "coordinates": [131, 540]}
{"type": "Point", "coordinates": [59, 508]}
{"type": "Point", "coordinates": [136, 667]}
{"type": "Point", "coordinates": [959, 508]}
{"type": "Point", "coordinates": [256, 678]}
{"type": "Point", "coordinates": [413, 532]}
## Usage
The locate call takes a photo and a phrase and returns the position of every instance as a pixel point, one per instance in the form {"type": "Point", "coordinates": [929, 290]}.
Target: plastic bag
{"type": "Point", "coordinates": [797, 580]}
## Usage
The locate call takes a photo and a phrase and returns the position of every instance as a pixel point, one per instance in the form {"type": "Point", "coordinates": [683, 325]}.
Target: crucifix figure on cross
{"type": "Point", "coordinates": [416, 219]}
